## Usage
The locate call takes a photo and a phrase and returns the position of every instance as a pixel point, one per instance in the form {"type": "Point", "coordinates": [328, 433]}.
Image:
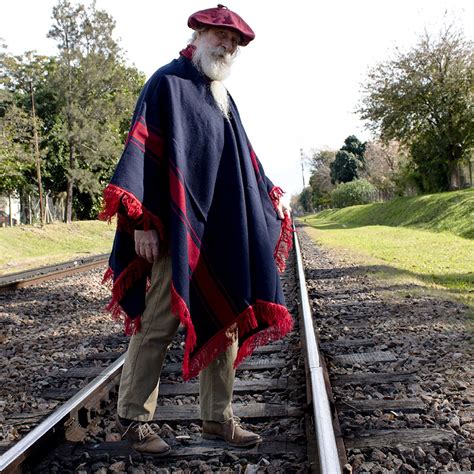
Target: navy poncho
{"type": "Point", "coordinates": [192, 175]}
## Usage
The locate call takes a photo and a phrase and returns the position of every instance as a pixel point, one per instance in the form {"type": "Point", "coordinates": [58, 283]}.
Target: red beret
{"type": "Point", "coordinates": [224, 18]}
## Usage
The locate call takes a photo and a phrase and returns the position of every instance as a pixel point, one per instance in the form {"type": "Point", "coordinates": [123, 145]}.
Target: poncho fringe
{"type": "Point", "coordinates": [275, 315]}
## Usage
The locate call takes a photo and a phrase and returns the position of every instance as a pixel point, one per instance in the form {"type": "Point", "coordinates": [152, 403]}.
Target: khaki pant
{"type": "Point", "coordinates": [140, 379]}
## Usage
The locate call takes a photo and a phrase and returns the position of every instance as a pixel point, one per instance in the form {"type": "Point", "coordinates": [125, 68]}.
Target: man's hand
{"type": "Point", "coordinates": [147, 244]}
{"type": "Point", "coordinates": [282, 210]}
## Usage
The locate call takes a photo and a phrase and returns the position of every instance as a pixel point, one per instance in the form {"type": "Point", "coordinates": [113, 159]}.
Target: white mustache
{"type": "Point", "coordinates": [221, 53]}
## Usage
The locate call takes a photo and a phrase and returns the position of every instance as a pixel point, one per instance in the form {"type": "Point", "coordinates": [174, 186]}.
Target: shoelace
{"type": "Point", "coordinates": [235, 424]}
{"type": "Point", "coordinates": [143, 430]}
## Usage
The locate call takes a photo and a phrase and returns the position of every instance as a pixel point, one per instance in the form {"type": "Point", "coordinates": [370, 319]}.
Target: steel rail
{"type": "Point", "coordinates": [12, 459]}
{"type": "Point", "coordinates": [324, 429]}
{"type": "Point", "coordinates": [15, 281]}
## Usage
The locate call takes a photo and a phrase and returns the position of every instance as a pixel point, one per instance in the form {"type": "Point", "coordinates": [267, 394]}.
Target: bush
{"type": "Point", "coordinates": [355, 192]}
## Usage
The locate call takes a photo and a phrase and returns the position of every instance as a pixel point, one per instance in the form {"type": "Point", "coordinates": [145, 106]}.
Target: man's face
{"type": "Point", "coordinates": [215, 51]}
{"type": "Point", "coordinates": [223, 38]}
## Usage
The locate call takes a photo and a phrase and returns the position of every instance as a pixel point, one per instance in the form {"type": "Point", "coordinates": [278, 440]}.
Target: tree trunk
{"type": "Point", "coordinates": [30, 211]}
{"type": "Point", "coordinates": [70, 185]}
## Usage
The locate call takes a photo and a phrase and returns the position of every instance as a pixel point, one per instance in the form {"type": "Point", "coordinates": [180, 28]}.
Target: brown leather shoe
{"type": "Point", "coordinates": [231, 432]}
{"type": "Point", "coordinates": [143, 438]}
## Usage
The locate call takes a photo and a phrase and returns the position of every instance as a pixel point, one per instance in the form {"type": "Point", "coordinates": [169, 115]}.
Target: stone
{"type": "Point", "coordinates": [462, 453]}
{"type": "Point", "coordinates": [419, 454]}
{"type": "Point", "coordinates": [444, 456]}
{"type": "Point", "coordinates": [102, 470]}
{"type": "Point", "coordinates": [117, 466]}
{"type": "Point", "coordinates": [454, 422]}
{"type": "Point", "coordinates": [367, 466]}
{"type": "Point", "coordinates": [377, 455]}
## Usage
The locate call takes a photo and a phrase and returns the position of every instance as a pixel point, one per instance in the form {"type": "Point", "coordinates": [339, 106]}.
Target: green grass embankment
{"type": "Point", "coordinates": [444, 212]}
{"type": "Point", "coordinates": [427, 239]}
{"type": "Point", "coordinates": [25, 247]}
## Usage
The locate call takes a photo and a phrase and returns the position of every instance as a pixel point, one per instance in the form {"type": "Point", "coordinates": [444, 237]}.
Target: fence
{"type": "Point", "coordinates": [28, 209]}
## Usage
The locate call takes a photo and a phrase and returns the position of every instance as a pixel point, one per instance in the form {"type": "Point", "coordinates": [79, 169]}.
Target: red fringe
{"type": "Point", "coordinates": [285, 241]}
{"type": "Point", "coordinates": [274, 315]}
{"type": "Point", "coordinates": [285, 244]}
{"type": "Point", "coordinates": [279, 320]}
{"type": "Point", "coordinates": [132, 326]}
{"type": "Point", "coordinates": [108, 275]}
{"type": "Point", "coordinates": [181, 311]}
{"type": "Point", "coordinates": [275, 194]}
{"type": "Point", "coordinates": [114, 196]}
{"type": "Point", "coordinates": [127, 278]}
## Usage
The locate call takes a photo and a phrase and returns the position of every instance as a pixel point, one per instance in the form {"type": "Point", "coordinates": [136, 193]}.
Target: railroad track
{"type": "Point", "coordinates": [272, 395]}
{"type": "Point", "coordinates": [363, 413]}
{"type": "Point", "coordinates": [27, 278]}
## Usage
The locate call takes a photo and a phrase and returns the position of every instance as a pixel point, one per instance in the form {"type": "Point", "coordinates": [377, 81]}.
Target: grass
{"type": "Point", "coordinates": [426, 239]}
{"type": "Point", "coordinates": [444, 212]}
{"type": "Point", "coordinates": [25, 247]}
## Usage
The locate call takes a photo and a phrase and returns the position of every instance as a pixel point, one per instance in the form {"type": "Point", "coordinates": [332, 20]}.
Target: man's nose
{"type": "Point", "coordinates": [226, 44]}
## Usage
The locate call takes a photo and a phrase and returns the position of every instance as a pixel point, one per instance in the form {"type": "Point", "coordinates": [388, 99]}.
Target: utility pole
{"type": "Point", "coordinates": [302, 166]}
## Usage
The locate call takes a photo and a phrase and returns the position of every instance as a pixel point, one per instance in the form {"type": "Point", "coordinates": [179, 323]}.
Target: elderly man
{"type": "Point", "coordinates": [202, 228]}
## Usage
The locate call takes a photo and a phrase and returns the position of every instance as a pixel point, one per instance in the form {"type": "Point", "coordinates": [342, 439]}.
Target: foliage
{"type": "Point", "coordinates": [353, 145]}
{"type": "Point", "coordinates": [345, 167]}
{"type": "Point", "coordinates": [320, 180]}
{"type": "Point", "coordinates": [95, 93]}
{"type": "Point", "coordinates": [21, 129]}
{"type": "Point", "coordinates": [423, 98]}
{"type": "Point", "coordinates": [84, 100]}
{"type": "Point", "coordinates": [384, 164]}
{"type": "Point", "coordinates": [16, 158]}
{"type": "Point", "coordinates": [349, 161]}
{"type": "Point", "coordinates": [305, 199]}
{"type": "Point", "coordinates": [355, 192]}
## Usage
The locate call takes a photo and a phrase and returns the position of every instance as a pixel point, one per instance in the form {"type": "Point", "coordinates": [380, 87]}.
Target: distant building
{"type": "Point", "coordinates": [9, 206]}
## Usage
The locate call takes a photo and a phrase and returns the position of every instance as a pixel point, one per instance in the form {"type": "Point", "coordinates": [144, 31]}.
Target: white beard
{"type": "Point", "coordinates": [216, 64]}
{"type": "Point", "coordinates": [219, 92]}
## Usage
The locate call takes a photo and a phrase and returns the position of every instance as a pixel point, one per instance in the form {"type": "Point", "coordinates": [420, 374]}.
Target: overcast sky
{"type": "Point", "coordinates": [297, 84]}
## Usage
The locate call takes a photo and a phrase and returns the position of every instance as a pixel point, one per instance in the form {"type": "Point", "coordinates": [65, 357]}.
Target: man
{"type": "Point", "coordinates": [196, 216]}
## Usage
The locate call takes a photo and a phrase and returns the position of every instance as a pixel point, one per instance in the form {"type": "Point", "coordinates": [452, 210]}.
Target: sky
{"type": "Point", "coordinates": [297, 85]}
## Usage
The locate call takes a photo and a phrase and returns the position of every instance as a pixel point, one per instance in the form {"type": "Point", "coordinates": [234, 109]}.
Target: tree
{"type": "Point", "coordinates": [345, 167]}
{"type": "Point", "coordinates": [22, 76]}
{"type": "Point", "coordinates": [15, 156]}
{"type": "Point", "coordinates": [423, 98]}
{"type": "Point", "coordinates": [320, 179]}
{"type": "Point", "coordinates": [383, 162]}
{"type": "Point", "coordinates": [95, 93]}
{"type": "Point", "coordinates": [353, 145]}
{"type": "Point", "coordinates": [305, 199]}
